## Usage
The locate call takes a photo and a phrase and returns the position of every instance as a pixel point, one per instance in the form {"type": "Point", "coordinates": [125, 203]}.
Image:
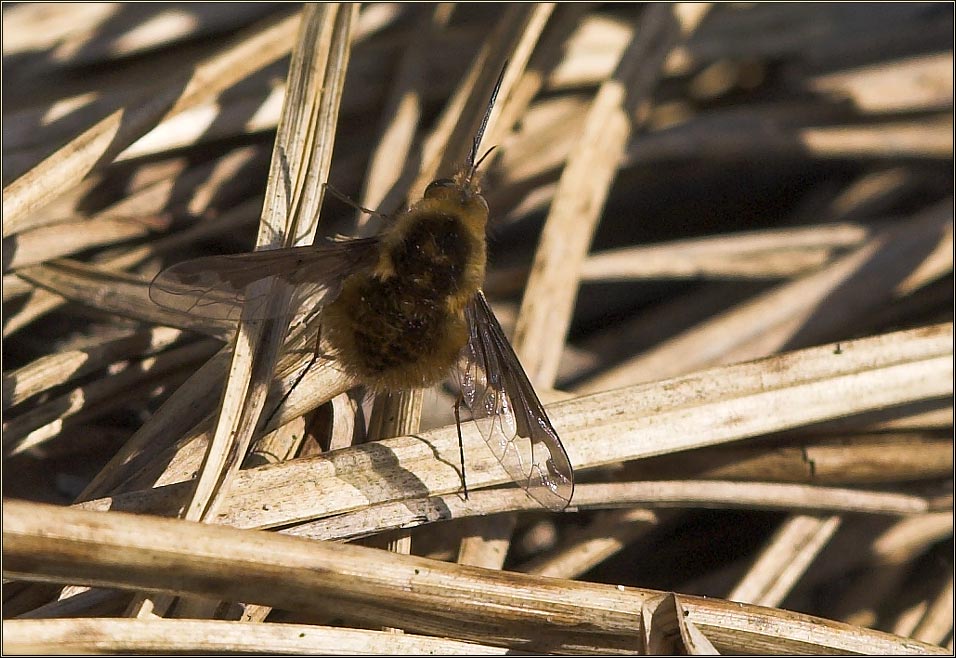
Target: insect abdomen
{"type": "Point", "coordinates": [401, 325]}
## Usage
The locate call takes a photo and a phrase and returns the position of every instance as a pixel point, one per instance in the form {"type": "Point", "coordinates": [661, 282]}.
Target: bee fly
{"type": "Point", "coordinates": [400, 311]}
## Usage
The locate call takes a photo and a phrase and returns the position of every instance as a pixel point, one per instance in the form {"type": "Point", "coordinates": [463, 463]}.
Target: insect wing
{"type": "Point", "coordinates": [508, 413]}
{"type": "Point", "coordinates": [218, 287]}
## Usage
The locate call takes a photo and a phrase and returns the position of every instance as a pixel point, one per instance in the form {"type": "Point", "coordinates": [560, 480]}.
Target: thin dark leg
{"type": "Point", "coordinates": [344, 199]}
{"type": "Point", "coordinates": [315, 357]}
{"type": "Point", "coordinates": [461, 446]}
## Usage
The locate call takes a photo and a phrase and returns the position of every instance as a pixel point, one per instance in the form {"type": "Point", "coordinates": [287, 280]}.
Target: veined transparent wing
{"type": "Point", "coordinates": [508, 413]}
{"type": "Point", "coordinates": [218, 287]}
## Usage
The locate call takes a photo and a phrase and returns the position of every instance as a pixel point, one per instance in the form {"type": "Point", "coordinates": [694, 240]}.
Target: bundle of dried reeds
{"type": "Point", "coordinates": [721, 237]}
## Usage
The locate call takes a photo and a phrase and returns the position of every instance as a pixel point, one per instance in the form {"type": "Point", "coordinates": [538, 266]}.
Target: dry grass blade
{"type": "Point", "coordinates": [378, 587]}
{"type": "Point", "coordinates": [773, 253]}
{"type": "Point", "coordinates": [397, 416]}
{"type": "Point", "coordinates": [365, 521]}
{"type": "Point", "coordinates": [302, 156]}
{"type": "Point", "coordinates": [539, 330]}
{"type": "Point", "coordinates": [937, 623]}
{"type": "Point", "coordinates": [583, 188]}
{"type": "Point", "coordinates": [59, 636]}
{"type": "Point", "coordinates": [101, 142]}
{"type": "Point", "coordinates": [150, 209]}
{"type": "Point", "coordinates": [57, 369]}
{"type": "Point", "coordinates": [761, 133]}
{"type": "Point", "coordinates": [607, 535]}
{"type": "Point", "coordinates": [450, 141]}
{"type": "Point", "coordinates": [129, 378]}
{"type": "Point", "coordinates": [859, 458]}
{"type": "Point", "coordinates": [33, 25]}
{"type": "Point", "coordinates": [67, 238]}
{"type": "Point", "coordinates": [86, 285]}
{"type": "Point", "coordinates": [507, 49]}
{"type": "Point", "coordinates": [116, 292]}
{"type": "Point", "coordinates": [710, 408]}
{"type": "Point", "coordinates": [185, 409]}
{"type": "Point", "coordinates": [795, 312]}
{"type": "Point", "coordinates": [914, 83]}
{"type": "Point", "coordinates": [299, 166]}
{"type": "Point", "coordinates": [785, 559]}
{"type": "Point", "coordinates": [401, 116]}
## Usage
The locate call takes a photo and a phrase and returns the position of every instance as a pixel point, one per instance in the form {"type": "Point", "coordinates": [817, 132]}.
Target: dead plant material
{"type": "Point", "coordinates": [721, 236]}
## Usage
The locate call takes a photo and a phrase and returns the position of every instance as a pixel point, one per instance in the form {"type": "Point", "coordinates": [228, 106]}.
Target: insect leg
{"type": "Point", "coordinates": [315, 357]}
{"type": "Point", "coordinates": [344, 199]}
{"type": "Point", "coordinates": [461, 445]}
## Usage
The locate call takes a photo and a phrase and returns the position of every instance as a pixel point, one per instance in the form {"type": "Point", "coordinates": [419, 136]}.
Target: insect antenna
{"type": "Point", "coordinates": [482, 158]}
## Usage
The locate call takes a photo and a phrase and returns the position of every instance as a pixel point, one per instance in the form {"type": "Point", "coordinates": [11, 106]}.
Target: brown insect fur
{"type": "Point", "coordinates": [401, 323]}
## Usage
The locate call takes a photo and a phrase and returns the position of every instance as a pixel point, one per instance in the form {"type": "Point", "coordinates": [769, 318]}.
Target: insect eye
{"type": "Point", "coordinates": [437, 187]}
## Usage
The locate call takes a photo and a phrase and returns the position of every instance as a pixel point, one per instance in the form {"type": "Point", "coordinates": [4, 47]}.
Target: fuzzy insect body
{"type": "Point", "coordinates": [401, 323]}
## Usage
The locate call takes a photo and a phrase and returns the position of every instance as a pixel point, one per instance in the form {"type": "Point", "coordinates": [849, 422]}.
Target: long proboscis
{"type": "Point", "coordinates": [471, 163]}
